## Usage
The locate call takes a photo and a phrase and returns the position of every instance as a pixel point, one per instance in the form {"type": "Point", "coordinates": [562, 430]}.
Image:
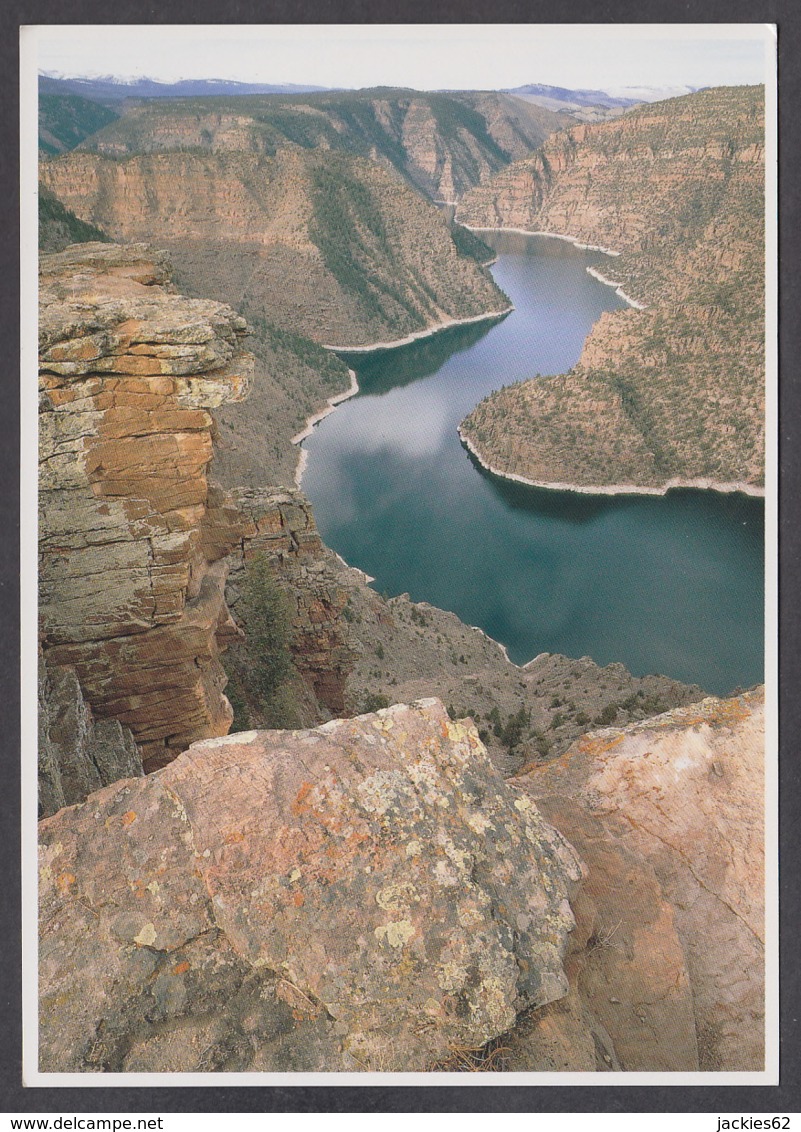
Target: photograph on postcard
{"type": "Point", "coordinates": [406, 552]}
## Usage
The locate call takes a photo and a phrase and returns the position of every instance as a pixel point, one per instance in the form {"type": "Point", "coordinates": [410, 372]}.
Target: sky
{"type": "Point", "coordinates": [425, 57]}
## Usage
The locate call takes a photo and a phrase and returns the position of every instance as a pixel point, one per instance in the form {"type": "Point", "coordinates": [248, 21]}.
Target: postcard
{"type": "Point", "coordinates": [400, 620]}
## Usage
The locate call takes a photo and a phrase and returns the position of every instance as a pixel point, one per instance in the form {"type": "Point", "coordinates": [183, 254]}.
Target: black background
{"type": "Point", "coordinates": [430, 1098]}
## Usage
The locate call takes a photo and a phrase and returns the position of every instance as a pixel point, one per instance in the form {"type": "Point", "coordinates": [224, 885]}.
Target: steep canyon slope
{"type": "Point", "coordinates": [326, 245]}
{"type": "Point", "coordinates": [674, 392]}
{"type": "Point", "coordinates": [443, 144]}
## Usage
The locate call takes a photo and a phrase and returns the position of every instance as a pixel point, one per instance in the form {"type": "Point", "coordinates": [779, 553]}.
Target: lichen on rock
{"type": "Point", "coordinates": [377, 876]}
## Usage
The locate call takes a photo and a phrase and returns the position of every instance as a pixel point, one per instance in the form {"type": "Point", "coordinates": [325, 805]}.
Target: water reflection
{"type": "Point", "coordinates": [668, 584]}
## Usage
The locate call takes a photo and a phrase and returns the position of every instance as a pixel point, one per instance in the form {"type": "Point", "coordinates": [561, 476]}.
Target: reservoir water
{"type": "Point", "coordinates": [671, 584]}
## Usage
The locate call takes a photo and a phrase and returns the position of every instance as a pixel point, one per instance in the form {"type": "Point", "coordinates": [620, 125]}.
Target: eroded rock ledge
{"type": "Point", "coordinates": [370, 894]}
{"type": "Point", "coordinates": [131, 543]}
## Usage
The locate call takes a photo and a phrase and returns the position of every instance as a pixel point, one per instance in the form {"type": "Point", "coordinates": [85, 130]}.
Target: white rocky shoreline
{"type": "Point", "coordinates": [429, 332]}
{"type": "Point", "coordinates": [315, 418]}
{"type": "Point", "coordinates": [593, 271]}
{"type": "Point", "coordinates": [702, 484]}
{"type": "Point", "coordinates": [551, 236]}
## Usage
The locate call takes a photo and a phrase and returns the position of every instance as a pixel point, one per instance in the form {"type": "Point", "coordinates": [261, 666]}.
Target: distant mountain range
{"type": "Point", "coordinates": [595, 105]}
{"type": "Point", "coordinates": [109, 88]}
{"type": "Point", "coordinates": [617, 96]}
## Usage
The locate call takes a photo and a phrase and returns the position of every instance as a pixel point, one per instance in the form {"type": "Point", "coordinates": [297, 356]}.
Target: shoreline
{"type": "Point", "coordinates": [574, 240]}
{"type": "Point", "coordinates": [593, 271]}
{"type": "Point", "coordinates": [419, 334]}
{"type": "Point", "coordinates": [315, 418]}
{"type": "Point", "coordinates": [700, 484]}
{"type": "Point", "coordinates": [334, 402]}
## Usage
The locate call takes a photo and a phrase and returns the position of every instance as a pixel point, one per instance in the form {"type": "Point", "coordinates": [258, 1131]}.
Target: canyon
{"type": "Point", "coordinates": [174, 875]}
{"type": "Point", "coordinates": [405, 853]}
{"type": "Point", "coordinates": [673, 393]}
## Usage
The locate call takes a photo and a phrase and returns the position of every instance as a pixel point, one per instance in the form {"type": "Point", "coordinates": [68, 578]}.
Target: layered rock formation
{"type": "Point", "coordinates": [281, 527]}
{"type": "Point", "coordinates": [368, 895]}
{"type": "Point", "coordinates": [333, 247]}
{"type": "Point", "coordinates": [443, 144]}
{"type": "Point", "coordinates": [670, 394]}
{"type": "Point", "coordinates": [668, 815]}
{"type": "Point", "coordinates": [132, 546]}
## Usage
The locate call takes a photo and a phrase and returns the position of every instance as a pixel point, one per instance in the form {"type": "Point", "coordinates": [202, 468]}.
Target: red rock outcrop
{"type": "Point", "coordinates": [668, 816]}
{"type": "Point", "coordinates": [131, 541]}
{"type": "Point", "coordinates": [370, 894]}
{"type": "Point", "coordinates": [281, 526]}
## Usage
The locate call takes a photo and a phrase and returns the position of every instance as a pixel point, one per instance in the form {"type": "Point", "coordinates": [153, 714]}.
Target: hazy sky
{"type": "Point", "coordinates": [425, 56]}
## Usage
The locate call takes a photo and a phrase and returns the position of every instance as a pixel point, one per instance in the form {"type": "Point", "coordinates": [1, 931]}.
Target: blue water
{"type": "Point", "coordinates": [669, 584]}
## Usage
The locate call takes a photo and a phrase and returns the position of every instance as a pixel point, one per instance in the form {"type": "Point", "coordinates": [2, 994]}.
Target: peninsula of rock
{"type": "Point", "coordinates": [672, 393]}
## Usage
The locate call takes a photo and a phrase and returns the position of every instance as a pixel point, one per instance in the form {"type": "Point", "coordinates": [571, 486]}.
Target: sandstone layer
{"type": "Point", "coordinates": [333, 247]}
{"type": "Point", "coordinates": [673, 393]}
{"type": "Point", "coordinates": [367, 895]}
{"type": "Point", "coordinates": [668, 815]}
{"type": "Point", "coordinates": [132, 546]}
{"type": "Point", "coordinates": [443, 144]}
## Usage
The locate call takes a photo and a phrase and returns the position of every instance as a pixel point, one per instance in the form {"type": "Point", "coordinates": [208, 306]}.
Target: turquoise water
{"type": "Point", "coordinates": [669, 584]}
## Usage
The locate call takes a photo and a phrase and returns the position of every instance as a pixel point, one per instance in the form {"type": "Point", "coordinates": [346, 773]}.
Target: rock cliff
{"type": "Point", "coordinates": [441, 143]}
{"type": "Point", "coordinates": [334, 247]}
{"type": "Point", "coordinates": [673, 393]}
{"type": "Point", "coordinates": [77, 753]}
{"type": "Point", "coordinates": [367, 895]}
{"type": "Point", "coordinates": [132, 544]}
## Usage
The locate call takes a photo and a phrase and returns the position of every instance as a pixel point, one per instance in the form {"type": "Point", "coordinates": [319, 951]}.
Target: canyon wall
{"type": "Point", "coordinates": [674, 393]}
{"type": "Point", "coordinates": [334, 247]}
{"type": "Point", "coordinates": [132, 545]}
{"type": "Point", "coordinates": [442, 144]}
{"type": "Point", "coordinates": [77, 753]}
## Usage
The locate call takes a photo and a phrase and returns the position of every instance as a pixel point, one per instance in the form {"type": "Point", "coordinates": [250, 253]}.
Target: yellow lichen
{"type": "Point", "coordinates": [396, 933]}
{"type": "Point", "coordinates": [146, 937]}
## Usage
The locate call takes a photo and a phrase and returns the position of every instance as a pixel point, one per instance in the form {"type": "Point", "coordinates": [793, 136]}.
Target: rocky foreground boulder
{"type": "Point", "coordinates": [668, 816]}
{"type": "Point", "coordinates": [371, 894]}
